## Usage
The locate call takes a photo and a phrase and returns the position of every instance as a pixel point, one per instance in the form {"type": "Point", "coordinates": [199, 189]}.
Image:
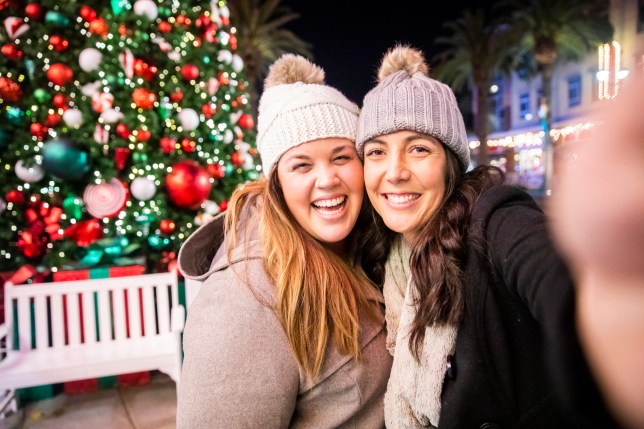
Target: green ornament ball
{"type": "Point", "coordinates": [229, 169]}
{"type": "Point", "coordinates": [73, 207]}
{"type": "Point", "coordinates": [252, 175]}
{"type": "Point", "coordinates": [41, 95]}
{"type": "Point", "coordinates": [140, 159]}
{"type": "Point", "coordinates": [61, 158]}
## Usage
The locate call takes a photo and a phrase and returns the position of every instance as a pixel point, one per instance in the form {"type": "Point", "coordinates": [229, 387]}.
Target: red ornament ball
{"type": "Point", "coordinates": [34, 11]}
{"type": "Point", "coordinates": [217, 171]}
{"type": "Point", "coordinates": [87, 13]}
{"type": "Point", "coordinates": [9, 90]}
{"type": "Point", "coordinates": [60, 101]}
{"type": "Point", "coordinates": [237, 158]}
{"type": "Point", "coordinates": [246, 121]}
{"type": "Point", "coordinates": [188, 145]}
{"type": "Point", "coordinates": [190, 71]}
{"type": "Point", "coordinates": [16, 197]}
{"type": "Point", "coordinates": [176, 96]}
{"type": "Point", "coordinates": [143, 98]}
{"type": "Point", "coordinates": [167, 144]}
{"type": "Point", "coordinates": [38, 130]}
{"type": "Point", "coordinates": [58, 43]}
{"type": "Point", "coordinates": [165, 27]}
{"type": "Point", "coordinates": [12, 51]}
{"type": "Point", "coordinates": [59, 74]}
{"type": "Point", "coordinates": [167, 226]}
{"type": "Point", "coordinates": [188, 184]}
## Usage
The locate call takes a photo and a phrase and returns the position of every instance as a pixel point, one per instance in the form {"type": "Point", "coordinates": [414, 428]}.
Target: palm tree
{"type": "Point", "coordinates": [262, 38]}
{"type": "Point", "coordinates": [476, 51]}
{"type": "Point", "coordinates": [557, 30]}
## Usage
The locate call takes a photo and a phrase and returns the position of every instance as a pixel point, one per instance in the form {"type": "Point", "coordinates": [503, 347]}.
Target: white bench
{"type": "Point", "coordinates": [91, 328]}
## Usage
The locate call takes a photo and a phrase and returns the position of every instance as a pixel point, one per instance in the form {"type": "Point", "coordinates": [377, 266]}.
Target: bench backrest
{"type": "Point", "coordinates": [71, 313]}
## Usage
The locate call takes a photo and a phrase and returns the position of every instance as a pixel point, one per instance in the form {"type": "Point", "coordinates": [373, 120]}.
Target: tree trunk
{"type": "Point", "coordinates": [548, 150]}
{"type": "Point", "coordinates": [481, 125]}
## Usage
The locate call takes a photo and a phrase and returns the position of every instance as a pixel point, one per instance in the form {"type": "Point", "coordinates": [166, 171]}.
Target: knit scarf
{"type": "Point", "coordinates": [413, 397]}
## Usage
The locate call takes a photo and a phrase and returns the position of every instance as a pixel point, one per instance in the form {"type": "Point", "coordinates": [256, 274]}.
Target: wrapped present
{"type": "Point", "coordinates": [88, 385]}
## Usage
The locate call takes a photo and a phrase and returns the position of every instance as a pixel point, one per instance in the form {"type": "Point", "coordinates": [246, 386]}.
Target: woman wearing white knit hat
{"type": "Point", "coordinates": [479, 305]}
{"type": "Point", "coordinates": [288, 328]}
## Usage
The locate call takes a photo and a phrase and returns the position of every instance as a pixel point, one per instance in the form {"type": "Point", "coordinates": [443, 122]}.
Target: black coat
{"type": "Point", "coordinates": [518, 362]}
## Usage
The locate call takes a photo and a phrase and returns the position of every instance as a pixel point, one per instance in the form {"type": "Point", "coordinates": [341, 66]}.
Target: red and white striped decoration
{"type": "Point", "coordinates": [106, 199]}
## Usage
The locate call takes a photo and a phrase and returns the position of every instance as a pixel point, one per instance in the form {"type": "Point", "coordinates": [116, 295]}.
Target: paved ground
{"type": "Point", "coordinates": [151, 406]}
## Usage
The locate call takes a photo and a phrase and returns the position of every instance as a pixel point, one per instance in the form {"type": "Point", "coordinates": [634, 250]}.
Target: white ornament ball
{"type": "Point", "coordinates": [228, 136]}
{"type": "Point", "coordinates": [90, 89]}
{"type": "Point", "coordinates": [147, 8]}
{"type": "Point", "coordinates": [189, 119]}
{"type": "Point", "coordinates": [224, 11]}
{"type": "Point", "coordinates": [89, 59]}
{"type": "Point", "coordinates": [238, 63]}
{"type": "Point", "coordinates": [110, 116]}
{"type": "Point", "coordinates": [211, 208]}
{"type": "Point", "coordinates": [73, 118]}
{"type": "Point", "coordinates": [29, 174]}
{"type": "Point", "coordinates": [143, 188]}
{"type": "Point", "coordinates": [225, 56]}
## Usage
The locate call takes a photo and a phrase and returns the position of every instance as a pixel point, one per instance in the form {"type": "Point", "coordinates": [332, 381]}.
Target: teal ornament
{"type": "Point", "coordinates": [64, 160]}
{"type": "Point", "coordinates": [4, 138]}
{"type": "Point", "coordinates": [118, 6]}
{"type": "Point", "coordinates": [31, 68]}
{"type": "Point", "coordinates": [15, 115]}
{"type": "Point", "coordinates": [252, 175]}
{"type": "Point", "coordinates": [157, 242]}
{"type": "Point", "coordinates": [229, 169]}
{"type": "Point", "coordinates": [73, 207]}
{"type": "Point", "coordinates": [206, 60]}
{"type": "Point", "coordinates": [41, 95]}
{"type": "Point", "coordinates": [56, 19]}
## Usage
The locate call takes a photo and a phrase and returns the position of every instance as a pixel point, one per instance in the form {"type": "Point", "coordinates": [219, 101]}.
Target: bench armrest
{"type": "Point", "coordinates": [177, 318]}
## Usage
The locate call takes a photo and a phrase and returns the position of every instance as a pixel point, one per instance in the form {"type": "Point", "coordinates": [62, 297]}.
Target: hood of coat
{"type": "Point", "coordinates": [206, 250]}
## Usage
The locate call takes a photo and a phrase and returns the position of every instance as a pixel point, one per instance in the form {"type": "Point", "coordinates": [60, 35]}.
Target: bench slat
{"type": "Point", "coordinates": [57, 321]}
{"type": "Point", "coordinates": [73, 319]}
{"type": "Point", "coordinates": [134, 305]}
{"type": "Point", "coordinates": [89, 318]}
{"type": "Point", "coordinates": [163, 308]}
{"type": "Point", "coordinates": [118, 307]}
{"type": "Point", "coordinates": [149, 325]}
{"type": "Point", "coordinates": [104, 316]}
{"type": "Point", "coordinates": [40, 313]}
{"type": "Point", "coordinates": [24, 323]}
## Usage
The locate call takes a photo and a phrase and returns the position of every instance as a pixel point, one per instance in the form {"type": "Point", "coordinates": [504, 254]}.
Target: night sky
{"type": "Point", "coordinates": [350, 37]}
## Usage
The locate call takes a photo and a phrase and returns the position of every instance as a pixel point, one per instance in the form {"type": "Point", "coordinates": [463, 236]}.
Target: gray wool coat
{"type": "Point", "coordinates": [239, 370]}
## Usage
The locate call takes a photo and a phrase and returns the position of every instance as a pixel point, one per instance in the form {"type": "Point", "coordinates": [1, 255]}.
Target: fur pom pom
{"type": "Point", "coordinates": [405, 58]}
{"type": "Point", "coordinates": [290, 68]}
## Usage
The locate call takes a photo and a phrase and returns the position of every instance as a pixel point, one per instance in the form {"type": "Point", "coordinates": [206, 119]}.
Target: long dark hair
{"type": "Point", "coordinates": [439, 250]}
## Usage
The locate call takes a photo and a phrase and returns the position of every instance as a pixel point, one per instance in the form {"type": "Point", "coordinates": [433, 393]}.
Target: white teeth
{"type": "Point", "coordinates": [401, 199]}
{"type": "Point", "coordinates": [329, 203]}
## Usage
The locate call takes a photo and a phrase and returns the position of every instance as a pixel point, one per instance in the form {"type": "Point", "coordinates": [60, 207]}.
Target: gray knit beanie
{"type": "Point", "coordinates": [406, 98]}
{"type": "Point", "coordinates": [297, 107]}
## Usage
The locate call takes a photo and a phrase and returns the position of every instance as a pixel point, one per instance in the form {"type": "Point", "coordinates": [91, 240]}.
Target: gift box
{"type": "Point", "coordinates": [89, 385]}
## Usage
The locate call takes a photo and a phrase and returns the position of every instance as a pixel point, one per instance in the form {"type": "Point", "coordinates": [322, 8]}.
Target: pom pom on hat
{"type": "Point", "coordinates": [406, 98]}
{"type": "Point", "coordinates": [297, 107]}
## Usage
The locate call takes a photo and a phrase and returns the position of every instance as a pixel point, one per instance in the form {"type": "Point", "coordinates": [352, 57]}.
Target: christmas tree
{"type": "Point", "coordinates": [124, 125]}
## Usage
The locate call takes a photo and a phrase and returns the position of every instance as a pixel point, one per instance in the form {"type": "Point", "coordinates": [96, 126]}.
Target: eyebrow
{"type": "Point", "coordinates": [409, 138]}
{"type": "Point", "coordinates": [335, 150]}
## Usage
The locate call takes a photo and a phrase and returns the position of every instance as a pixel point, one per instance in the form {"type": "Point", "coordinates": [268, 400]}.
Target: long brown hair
{"type": "Point", "coordinates": [319, 296]}
{"type": "Point", "coordinates": [439, 250]}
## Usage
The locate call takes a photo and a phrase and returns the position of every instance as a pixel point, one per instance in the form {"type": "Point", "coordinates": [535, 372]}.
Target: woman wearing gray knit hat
{"type": "Point", "coordinates": [479, 305]}
{"type": "Point", "coordinates": [288, 327]}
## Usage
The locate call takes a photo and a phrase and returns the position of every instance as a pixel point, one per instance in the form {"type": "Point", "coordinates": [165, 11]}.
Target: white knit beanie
{"type": "Point", "coordinates": [406, 98]}
{"type": "Point", "coordinates": [297, 107]}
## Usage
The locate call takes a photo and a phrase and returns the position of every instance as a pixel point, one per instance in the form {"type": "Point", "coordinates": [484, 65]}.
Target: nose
{"type": "Point", "coordinates": [397, 170]}
{"type": "Point", "coordinates": [327, 177]}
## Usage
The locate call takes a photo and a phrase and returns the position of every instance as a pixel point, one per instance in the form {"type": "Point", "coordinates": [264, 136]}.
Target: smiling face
{"type": "Point", "coordinates": [322, 182]}
{"type": "Point", "coordinates": [405, 178]}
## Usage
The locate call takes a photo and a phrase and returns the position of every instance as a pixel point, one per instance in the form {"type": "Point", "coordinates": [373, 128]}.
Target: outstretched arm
{"type": "Point", "coordinates": [597, 213]}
